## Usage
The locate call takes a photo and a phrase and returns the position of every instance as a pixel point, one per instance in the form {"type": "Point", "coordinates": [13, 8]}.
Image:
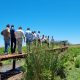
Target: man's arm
{"type": "Point", "coordinates": [2, 33]}
{"type": "Point", "coordinates": [24, 36]}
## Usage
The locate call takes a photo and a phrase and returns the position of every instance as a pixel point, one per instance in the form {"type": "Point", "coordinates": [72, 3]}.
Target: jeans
{"type": "Point", "coordinates": [7, 44]}
{"type": "Point", "coordinates": [28, 44]}
{"type": "Point", "coordinates": [13, 45]}
{"type": "Point", "coordinates": [19, 44]}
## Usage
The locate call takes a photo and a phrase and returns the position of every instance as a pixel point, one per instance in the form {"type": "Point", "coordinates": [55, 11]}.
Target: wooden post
{"type": "Point", "coordinates": [0, 76]}
{"type": "Point", "coordinates": [14, 64]}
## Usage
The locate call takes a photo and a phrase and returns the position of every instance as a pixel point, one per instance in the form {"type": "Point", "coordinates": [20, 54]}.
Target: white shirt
{"type": "Point", "coordinates": [28, 31]}
{"type": "Point", "coordinates": [19, 34]}
{"type": "Point", "coordinates": [38, 36]}
{"type": "Point", "coordinates": [34, 36]}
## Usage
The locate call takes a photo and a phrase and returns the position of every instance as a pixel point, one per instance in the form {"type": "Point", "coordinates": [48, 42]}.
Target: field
{"type": "Point", "coordinates": [41, 64]}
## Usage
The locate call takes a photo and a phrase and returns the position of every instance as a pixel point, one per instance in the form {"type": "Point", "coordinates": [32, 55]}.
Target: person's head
{"type": "Point", "coordinates": [34, 31]}
{"type": "Point", "coordinates": [38, 31]}
{"type": "Point", "coordinates": [7, 26]}
{"type": "Point", "coordinates": [20, 28]}
{"type": "Point", "coordinates": [28, 28]}
{"type": "Point", "coordinates": [12, 26]}
{"type": "Point", "coordinates": [42, 35]}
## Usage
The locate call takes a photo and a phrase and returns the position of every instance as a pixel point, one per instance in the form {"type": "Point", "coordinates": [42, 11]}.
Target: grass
{"type": "Point", "coordinates": [42, 65]}
{"type": "Point", "coordinates": [48, 65]}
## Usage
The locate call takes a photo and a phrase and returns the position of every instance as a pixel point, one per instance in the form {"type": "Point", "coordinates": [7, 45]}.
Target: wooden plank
{"type": "Point", "coordinates": [11, 56]}
{"type": "Point", "coordinates": [60, 48]}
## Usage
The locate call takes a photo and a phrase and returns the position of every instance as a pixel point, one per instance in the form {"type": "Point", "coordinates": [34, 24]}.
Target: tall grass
{"type": "Point", "coordinates": [41, 64]}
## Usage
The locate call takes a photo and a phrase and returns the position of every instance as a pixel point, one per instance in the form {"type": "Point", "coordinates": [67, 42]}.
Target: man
{"type": "Point", "coordinates": [13, 39]}
{"type": "Point", "coordinates": [52, 42]}
{"type": "Point", "coordinates": [19, 38]}
{"type": "Point", "coordinates": [48, 42]}
{"type": "Point", "coordinates": [38, 38]}
{"type": "Point", "coordinates": [43, 38]}
{"type": "Point", "coordinates": [29, 38]}
{"type": "Point", "coordinates": [6, 35]}
{"type": "Point", "coordinates": [35, 38]}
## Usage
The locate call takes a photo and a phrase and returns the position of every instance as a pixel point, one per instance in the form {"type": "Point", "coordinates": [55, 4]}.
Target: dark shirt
{"type": "Point", "coordinates": [12, 32]}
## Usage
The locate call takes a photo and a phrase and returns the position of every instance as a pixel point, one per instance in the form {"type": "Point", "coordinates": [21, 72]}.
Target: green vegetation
{"type": "Point", "coordinates": [48, 65]}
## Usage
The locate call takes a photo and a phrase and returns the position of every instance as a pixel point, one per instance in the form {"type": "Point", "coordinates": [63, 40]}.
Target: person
{"type": "Point", "coordinates": [52, 42]}
{"type": "Point", "coordinates": [48, 42]}
{"type": "Point", "coordinates": [29, 38]}
{"type": "Point", "coordinates": [38, 37]}
{"type": "Point", "coordinates": [35, 38]}
{"type": "Point", "coordinates": [6, 35]}
{"type": "Point", "coordinates": [13, 39]}
{"type": "Point", "coordinates": [42, 40]}
{"type": "Point", "coordinates": [19, 39]}
{"type": "Point", "coordinates": [34, 35]}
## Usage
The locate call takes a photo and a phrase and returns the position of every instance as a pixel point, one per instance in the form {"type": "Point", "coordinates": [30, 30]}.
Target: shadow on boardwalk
{"type": "Point", "coordinates": [11, 74]}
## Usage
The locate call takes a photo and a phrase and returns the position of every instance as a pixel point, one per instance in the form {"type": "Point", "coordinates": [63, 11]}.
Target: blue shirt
{"type": "Point", "coordinates": [29, 36]}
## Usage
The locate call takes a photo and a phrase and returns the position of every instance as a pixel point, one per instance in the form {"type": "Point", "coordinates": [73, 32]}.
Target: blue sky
{"type": "Point", "coordinates": [58, 18]}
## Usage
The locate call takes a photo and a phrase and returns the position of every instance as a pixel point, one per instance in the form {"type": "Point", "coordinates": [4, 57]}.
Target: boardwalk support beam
{"type": "Point", "coordinates": [14, 64]}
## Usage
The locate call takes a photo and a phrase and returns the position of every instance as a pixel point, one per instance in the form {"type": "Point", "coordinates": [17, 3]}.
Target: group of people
{"type": "Point", "coordinates": [15, 38]}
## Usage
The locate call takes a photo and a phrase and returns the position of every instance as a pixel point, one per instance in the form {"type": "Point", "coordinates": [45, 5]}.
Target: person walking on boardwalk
{"type": "Point", "coordinates": [29, 38]}
{"type": "Point", "coordinates": [19, 39]}
{"type": "Point", "coordinates": [6, 35]}
{"type": "Point", "coordinates": [38, 38]}
{"type": "Point", "coordinates": [52, 42]}
{"type": "Point", "coordinates": [35, 38]}
{"type": "Point", "coordinates": [48, 42]}
{"type": "Point", "coordinates": [13, 39]}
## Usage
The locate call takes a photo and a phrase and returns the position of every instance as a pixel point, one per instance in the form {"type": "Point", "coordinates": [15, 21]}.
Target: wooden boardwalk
{"type": "Point", "coordinates": [18, 56]}
{"type": "Point", "coordinates": [58, 49]}
{"type": "Point", "coordinates": [15, 56]}
{"type": "Point", "coordinates": [11, 56]}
